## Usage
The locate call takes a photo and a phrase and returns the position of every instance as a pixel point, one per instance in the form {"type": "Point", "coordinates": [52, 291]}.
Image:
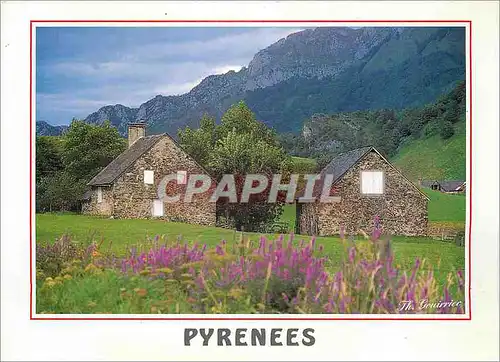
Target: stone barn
{"type": "Point", "coordinates": [128, 186]}
{"type": "Point", "coordinates": [365, 185]}
{"type": "Point", "coordinates": [450, 187]}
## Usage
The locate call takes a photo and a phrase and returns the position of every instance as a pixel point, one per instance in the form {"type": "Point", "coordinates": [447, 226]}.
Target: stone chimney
{"type": "Point", "coordinates": [136, 131]}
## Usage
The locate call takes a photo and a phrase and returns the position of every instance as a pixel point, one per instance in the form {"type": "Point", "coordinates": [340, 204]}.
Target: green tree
{"type": "Point", "coordinates": [241, 119]}
{"type": "Point", "coordinates": [65, 164]}
{"type": "Point", "coordinates": [433, 127]}
{"type": "Point", "coordinates": [459, 93]}
{"type": "Point", "coordinates": [48, 156]}
{"type": "Point", "coordinates": [447, 130]}
{"type": "Point", "coordinates": [88, 148]}
{"type": "Point", "coordinates": [239, 145]}
{"type": "Point", "coordinates": [244, 153]}
{"type": "Point", "coordinates": [199, 143]}
{"type": "Point", "coordinates": [60, 191]}
{"type": "Point", "coordinates": [452, 113]}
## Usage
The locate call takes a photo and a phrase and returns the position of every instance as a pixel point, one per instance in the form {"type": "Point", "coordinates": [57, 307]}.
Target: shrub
{"type": "Point", "coordinates": [279, 227]}
{"type": "Point", "coordinates": [446, 130]}
{"type": "Point", "coordinates": [51, 258]}
{"type": "Point", "coordinates": [272, 269]}
{"type": "Point", "coordinates": [432, 128]}
{"type": "Point", "coordinates": [377, 286]}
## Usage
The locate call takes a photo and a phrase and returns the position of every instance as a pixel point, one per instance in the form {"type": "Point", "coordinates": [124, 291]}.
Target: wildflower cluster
{"type": "Point", "coordinates": [159, 261]}
{"type": "Point", "coordinates": [51, 258]}
{"type": "Point", "coordinates": [284, 276]}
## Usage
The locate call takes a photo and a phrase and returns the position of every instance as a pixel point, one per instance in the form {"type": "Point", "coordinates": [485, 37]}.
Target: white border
{"type": "Point", "coordinates": [23, 339]}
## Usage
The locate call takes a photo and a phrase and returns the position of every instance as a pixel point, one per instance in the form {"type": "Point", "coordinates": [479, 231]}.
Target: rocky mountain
{"type": "Point", "coordinates": [45, 129]}
{"type": "Point", "coordinates": [118, 115]}
{"type": "Point", "coordinates": [320, 70]}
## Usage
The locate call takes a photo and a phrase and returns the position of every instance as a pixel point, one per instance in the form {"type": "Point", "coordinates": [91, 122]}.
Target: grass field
{"type": "Point", "coordinates": [101, 293]}
{"type": "Point", "coordinates": [446, 207]}
{"type": "Point", "coordinates": [118, 234]}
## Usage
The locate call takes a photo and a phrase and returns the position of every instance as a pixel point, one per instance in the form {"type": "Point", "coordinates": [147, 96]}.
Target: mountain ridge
{"type": "Point", "coordinates": [318, 70]}
{"type": "Point", "coordinates": [43, 128]}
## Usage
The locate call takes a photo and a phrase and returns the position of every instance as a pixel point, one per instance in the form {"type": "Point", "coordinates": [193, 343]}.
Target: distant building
{"type": "Point", "coordinates": [455, 186]}
{"type": "Point", "coordinates": [127, 187]}
{"type": "Point", "coordinates": [366, 185]}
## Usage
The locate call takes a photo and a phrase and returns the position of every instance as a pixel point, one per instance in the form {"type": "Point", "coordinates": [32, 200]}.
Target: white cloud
{"type": "Point", "coordinates": [148, 70]}
{"type": "Point", "coordinates": [64, 103]}
{"type": "Point", "coordinates": [233, 45]}
{"type": "Point", "coordinates": [223, 69]}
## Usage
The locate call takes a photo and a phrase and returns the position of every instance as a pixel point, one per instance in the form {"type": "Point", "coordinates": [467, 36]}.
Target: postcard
{"type": "Point", "coordinates": [254, 182]}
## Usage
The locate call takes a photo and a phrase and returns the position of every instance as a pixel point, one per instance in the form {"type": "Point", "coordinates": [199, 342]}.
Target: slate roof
{"type": "Point", "coordinates": [338, 167]}
{"type": "Point", "coordinates": [446, 186]}
{"type": "Point", "coordinates": [120, 164]}
{"type": "Point", "coordinates": [86, 195]}
{"type": "Point", "coordinates": [344, 161]}
{"type": "Point", "coordinates": [428, 183]}
{"type": "Point", "coordinates": [449, 186]}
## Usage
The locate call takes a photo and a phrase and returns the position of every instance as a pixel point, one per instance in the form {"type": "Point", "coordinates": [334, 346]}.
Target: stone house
{"type": "Point", "coordinates": [365, 186]}
{"type": "Point", "coordinates": [128, 186]}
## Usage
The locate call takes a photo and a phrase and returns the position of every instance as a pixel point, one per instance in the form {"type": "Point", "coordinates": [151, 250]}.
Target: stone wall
{"type": "Point", "coordinates": [445, 230]}
{"type": "Point", "coordinates": [402, 208]}
{"type": "Point", "coordinates": [308, 219]}
{"type": "Point", "coordinates": [105, 208]}
{"type": "Point", "coordinates": [134, 199]}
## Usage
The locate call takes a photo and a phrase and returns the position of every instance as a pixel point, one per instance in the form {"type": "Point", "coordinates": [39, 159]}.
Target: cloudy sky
{"type": "Point", "coordinates": [79, 70]}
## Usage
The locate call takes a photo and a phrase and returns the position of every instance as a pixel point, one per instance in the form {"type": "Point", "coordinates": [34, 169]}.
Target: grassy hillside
{"type": "Point", "coordinates": [446, 207]}
{"type": "Point", "coordinates": [434, 158]}
{"type": "Point", "coordinates": [303, 165]}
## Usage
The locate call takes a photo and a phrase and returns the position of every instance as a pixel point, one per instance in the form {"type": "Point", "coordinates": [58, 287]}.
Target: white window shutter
{"type": "Point", "coordinates": [365, 182]}
{"type": "Point", "coordinates": [157, 208]}
{"type": "Point", "coordinates": [372, 182]}
{"type": "Point", "coordinates": [181, 177]}
{"type": "Point", "coordinates": [149, 177]}
{"type": "Point", "coordinates": [378, 184]}
{"type": "Point", "coordinates": [99, 195]}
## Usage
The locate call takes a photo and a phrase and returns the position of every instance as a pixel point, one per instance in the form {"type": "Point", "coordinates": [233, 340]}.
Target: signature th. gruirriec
{"type": "Point", "coordinates": [425, 304]}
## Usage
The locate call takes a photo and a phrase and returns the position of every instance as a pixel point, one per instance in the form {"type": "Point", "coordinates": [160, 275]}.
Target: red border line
{"type": "Point", "coordinates": [250, 21]}
{"type": "Point", "coordinates": [374, 318]}
{"type": "Point", "coordinates": [469, 185]}
{"type": "Point", "coordinates": [30, 172]}
{"type": "Point", "coordinates": [249, 319]}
